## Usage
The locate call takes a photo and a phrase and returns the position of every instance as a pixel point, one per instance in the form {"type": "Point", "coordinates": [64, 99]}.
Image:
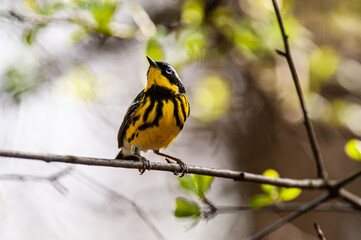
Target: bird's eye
{"type": "Point", "coordinates": [169, 70]}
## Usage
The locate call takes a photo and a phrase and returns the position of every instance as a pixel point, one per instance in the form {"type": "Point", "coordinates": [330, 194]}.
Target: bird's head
{"type": "Point", "coordinates": [163, 75]}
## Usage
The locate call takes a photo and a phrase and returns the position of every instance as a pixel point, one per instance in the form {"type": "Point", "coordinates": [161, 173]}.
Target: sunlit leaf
{"type": "Point", "coordinates": [353, 149]}
{"type": "Point", "coordinates": [44, 8]}
{"type": "Point", "coordinates": [186, 208]}
{"type": "Point", "coordinates": [103, 13]}
{"type": "Point", "coordinates": [50, 9]}
{"type": "Point", "coordinates": [260, 200]}
{"type": "Point", "coordinates": [288, 194]}
{"type": "Point", "coordinates": [188, 183]}
{"type": "Point", "coordinates": [155, 50]}
{"type": "Point", "coordinates": [32, 4]}
{"type": "Point", "coordinates": [193, 12]}
{"type": "Point", "coordinates": [193, 41]}
{"type": "Point", "coordinates": [212, 98]}
{"type": "Point", "coordinates": [79, 34]}
{"type": "Point", "coordinates": [323, 64]}
{"type": "Point", "coordinates": [271, 190]}
{"type": "Point", "coordinates": [80, 82]}
{"type": "Point", "coordinates": [203, 184]}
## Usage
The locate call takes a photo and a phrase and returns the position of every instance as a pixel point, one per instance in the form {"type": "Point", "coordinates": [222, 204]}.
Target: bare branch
{"type": "Point", "coordinates": [118, 30]}
{"type": "Point", "coordinates": [321, 172]}
{"type": "Point", "coordinates": [117, 197]}
{"type": "Point", "coordinates": [350, 197]}
{"type": "Point", "coordinates": [171, 167]}
{"type": "Point", "coordinates": [287, 207]}
{"type": "Point", "coordinates": [320, 234]}
{"type": "Point", "coordinates": [345, 180]}
{"type": "Point", "coordinates": [300, 211]}
{"type": "Point", "coordinates": [52, 179]}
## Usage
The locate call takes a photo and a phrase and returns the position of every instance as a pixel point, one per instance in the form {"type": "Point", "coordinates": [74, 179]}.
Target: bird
{"type": "Point", "coordinates": [155, 117]}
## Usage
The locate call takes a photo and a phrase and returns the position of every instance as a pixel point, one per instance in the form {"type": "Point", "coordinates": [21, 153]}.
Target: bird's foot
{"type": "Point", "coordinates": [146, 165]}
{"type": "Point", "coordinates": [183, 167]}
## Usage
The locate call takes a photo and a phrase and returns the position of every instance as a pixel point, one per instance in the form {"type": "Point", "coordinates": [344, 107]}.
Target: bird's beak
{"type": "Point", "coordinates": [152, 62]}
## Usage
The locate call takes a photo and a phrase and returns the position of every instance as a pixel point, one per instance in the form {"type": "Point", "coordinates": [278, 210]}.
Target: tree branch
{"type": "Point", "coordinates": [171, 167]}
{"type": "Point", "coordinates": [321, 172]}
{"type": "Point", "coordinates": [320, 234]}
{"type": "Point", "coordinates": [118, 198]}
{"type": "Point", "coordinates": [345, 180]}
{"type": "Point", "coordinates": [287, 207]}
{"type": "Point", "coordinates": [118, 30]}
{"type": "Point", "coordinates": [52, 179]}
{"type": "Point", "coordinates": [350, 197]}
{"type": "Point", "coordinates": [300, 211]}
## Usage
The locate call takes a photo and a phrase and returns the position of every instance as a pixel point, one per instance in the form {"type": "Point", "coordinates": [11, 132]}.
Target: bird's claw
{"type": "Point", "coordinates": [146, 165]}
{"type": "Point", "coordinates": [183, 169]}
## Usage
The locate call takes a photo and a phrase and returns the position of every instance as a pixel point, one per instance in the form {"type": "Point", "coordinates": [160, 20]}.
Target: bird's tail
{"type": "Point", "coordinates": [122, 156]}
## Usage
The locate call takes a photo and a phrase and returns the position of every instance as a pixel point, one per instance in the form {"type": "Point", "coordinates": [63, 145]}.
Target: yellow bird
{"type": "Point", "coordinates": [155, 117]}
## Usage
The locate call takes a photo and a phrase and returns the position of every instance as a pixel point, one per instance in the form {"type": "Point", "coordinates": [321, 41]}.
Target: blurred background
{"type": "Point", "coordinates": [69, 69]}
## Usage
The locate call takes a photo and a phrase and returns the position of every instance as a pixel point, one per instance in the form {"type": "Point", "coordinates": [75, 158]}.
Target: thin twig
{"type": "Point", "coordinates": [350, 197]}
{"type": "Point", "coordinates": [171, 167]}
{"type": "Point", "coordinates": [343, 181]}
{"type": "Point", "coordinates": [52, 179]}
{"type": "Point", "coordinates": [118, 30]}
{"type": "Point", "coordinates": [286, 207]}
{"type": "Point", "coordinates": [320, 234]}
{"type": "Point", "coordinates": [117, 197]}
{"type": "Point", "coordinates": [321, 172]}
{"type": "Point", "coordinates": [300, 211]}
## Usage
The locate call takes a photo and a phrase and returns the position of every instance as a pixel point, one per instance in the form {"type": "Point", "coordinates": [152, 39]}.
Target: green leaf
{"type": "Point", "coordinates": [188, 183]}
{"type": "Point", "coordinates": [203, 184]}
{"type": "Point", "coordinates": [19, 80]}
{"type": "Point", "coordinates": [155, 50]}
{"type": "Point", "coordinates": [193, 41]}
{"type": "Point", "coordinates": [79, 34]}
{"type": "Point", "coordinates": [103, 13]}
{"type": "Point", "coordinates": [47, 10]}
{"type": "Point", "coordinates": [323, 64]}
{"type": "Point", "coordinates": [353, 149]}
{"type": "Point", "coordinates": [186, 209]}
{"type": "Point", "coordinates": [44, 8]}
{"type": "Point", "coordinates": [30, 34]}
{"type": "Point", "coordinates": [270, 189]}
{"type": "Point", "coordinates": [288, 194]}
{"type": "Point", "coordinates": [193, 12]}
{"type": "Point", "coordinates": [260, 200]}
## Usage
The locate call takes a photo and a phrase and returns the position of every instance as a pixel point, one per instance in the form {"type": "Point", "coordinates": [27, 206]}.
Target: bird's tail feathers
{"type": "Point", "coordinates": [123, 156]}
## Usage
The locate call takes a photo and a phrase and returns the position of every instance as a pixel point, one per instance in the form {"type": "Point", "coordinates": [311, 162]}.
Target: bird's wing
{"type": "Point", "coordinates": [130, 112]}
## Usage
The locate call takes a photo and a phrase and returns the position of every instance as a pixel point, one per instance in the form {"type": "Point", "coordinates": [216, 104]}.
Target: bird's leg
{"type": "Point", "coordinates": [183, 166]}
{"type": "Point", "coordinates": [146, 163]}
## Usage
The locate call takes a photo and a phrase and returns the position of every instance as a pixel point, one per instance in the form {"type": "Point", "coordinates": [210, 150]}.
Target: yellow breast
{"type": "Point", "coordinates": [157, 123]}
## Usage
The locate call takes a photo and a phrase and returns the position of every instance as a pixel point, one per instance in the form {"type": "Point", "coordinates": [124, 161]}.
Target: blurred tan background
{"type": "Point", "coordinates": [69, 70]}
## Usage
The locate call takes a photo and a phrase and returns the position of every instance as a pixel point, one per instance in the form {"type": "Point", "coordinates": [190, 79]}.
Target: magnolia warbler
{"type": "Point", "coordinates": [155, 117]}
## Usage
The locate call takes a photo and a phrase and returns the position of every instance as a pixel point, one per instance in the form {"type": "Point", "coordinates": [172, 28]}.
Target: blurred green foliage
{"type": "Point", "coordinates": [44, 7]}
{"type": "Point", "coordinates": [30, 34]}
{"type": "Point", "coordinates": [273, 194]}
{"type": "Point", "coordinates": [212, 98]}
{"type": "Point", "coordinates": [323, 64]}
{"type": "Point", "coordinates": [155, 50]}
{"type": "Point", "coordinates": [20, 80]}
{"type": "Point", "coordinates": [198, 185]}
{"type": "Point", "coordinates": [244, 33]}
{"type": "Point", "coordinates": [80, 82]}
{"type": "Point", "coordinates": [102, 12]}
